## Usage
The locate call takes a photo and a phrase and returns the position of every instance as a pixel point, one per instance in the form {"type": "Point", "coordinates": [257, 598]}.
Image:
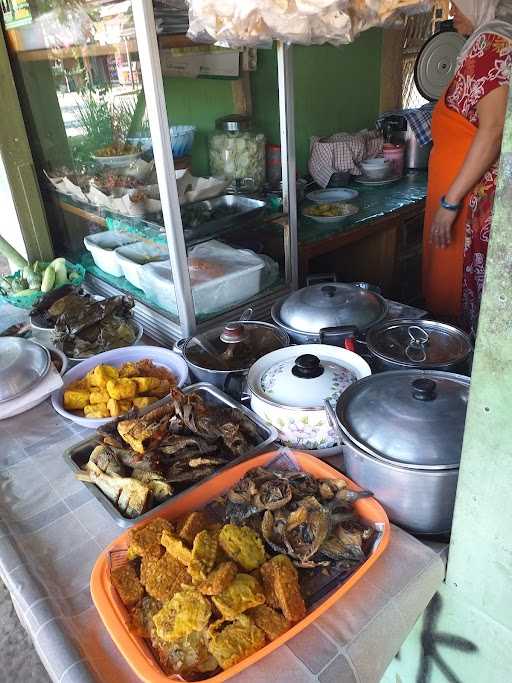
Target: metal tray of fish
{"type": "Point", "coordinates": [235, 212]}
{"type": "Point", "coordinates": [78, 455]}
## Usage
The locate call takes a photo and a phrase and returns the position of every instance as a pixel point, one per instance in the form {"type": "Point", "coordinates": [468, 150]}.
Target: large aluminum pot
{"type": "Point", "coordinates": [420, 344]}
{"type": "Point", "coordinates": [402, 433]}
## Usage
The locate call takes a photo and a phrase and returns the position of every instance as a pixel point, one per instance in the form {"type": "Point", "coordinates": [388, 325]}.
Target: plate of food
{"type": "Point", "coordinates": [113, 383]}
{"type": "Point", "coordinates": [330, 213]}
{"type": "Point", "coordinates": [332, 195]}
{"type": "Point", "coordinates": [117, 155]}
{"type": "Point", "coordinates": [138, 463]}
{"type": "Point", "coordinates": [237, 567]}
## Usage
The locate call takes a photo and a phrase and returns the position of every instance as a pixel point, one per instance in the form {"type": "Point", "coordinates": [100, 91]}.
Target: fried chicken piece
{"type": "Point", "coordinates": [187, 611]}
{"type": "Point", "coordinates": [243, 545]}
{"type": "Point", "coordinates": [190, 525]}
{"type": "Point", "coordinates": [219, 579]}
{"type": "Point", "coordinates": [127, 584]}
{"type": "Point", "coordinates": [163, 578]}
{"type": "Point", "coordinates": [242, 593]}
{"type": "Point", "coordinates": [283, 577]}
{"type": "Point", "coordinates": [272, 622]}
{"type": "Point", "coordinates": [186, 656]}
{"type": "Point", "coordinates": [176, 548]}
{"type": "Point", "coordinates": [204, 554]}
{"type": "Point", "coordinates": [145, 540]}
{"type": "Point", "coordinates": [141, 617]}
{"type": "Point", "coordinates": [236, 641]}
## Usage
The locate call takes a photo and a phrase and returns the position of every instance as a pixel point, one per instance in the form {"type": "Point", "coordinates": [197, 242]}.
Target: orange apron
{"type": "Point", "coordinates": [453, 136]}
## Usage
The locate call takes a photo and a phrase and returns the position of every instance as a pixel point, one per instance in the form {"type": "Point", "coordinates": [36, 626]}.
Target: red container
{"type": "Point", "coordinates": [396, 155]}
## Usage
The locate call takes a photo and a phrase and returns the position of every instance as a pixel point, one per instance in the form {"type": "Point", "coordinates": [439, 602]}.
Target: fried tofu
{"type": "Point", "coordinates": [141, 402]}
{"type": "Point", "coordinates": [76, 399]}
{"type": "Point", "coordinates": [98, 410]}
{"type": "Point", "coordinates": [236, 641]}
{"type": "Point", "coordinates": [243, 545]}
{"type": "Point", "coordinates": [101, 375]}
{"type": "Point", "coordinates": [164, 577]}
{"type": "Point", "coordinates": [145, 540]}
{"type": "Point", "coordinates": [219, 579]}
{"type": "Point", "coordinates": [243, 593]}
{"type": "Point", "coordinates": [187, 611]}
{"type": "Point", "coordinates": [272, 622]}
{"type": "Point", "coordinates": [188, 526]}
{"type": "Point", "coordinates": [127, 584]}
{"type": "Point", "coordinates": [98, 396]}
{"type": "Point", "coordinates": [121, 389]}
{"type": "Point", "coordinates": [204, 554]}
{"type": "Point", "coordinates": [146, 384]}
{"type": "Point", "coordinates": [176, 548]}
{"type": "Point", "coordinates": [117, 408]}
{"type": "Point", "coordinates": [283, 578]}
{"type": "Point", "coordinates": [141, 617]}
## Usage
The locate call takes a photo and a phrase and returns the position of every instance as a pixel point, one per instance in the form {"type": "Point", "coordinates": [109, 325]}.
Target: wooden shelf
{"type": "Point", "coordinates": [15, 40]}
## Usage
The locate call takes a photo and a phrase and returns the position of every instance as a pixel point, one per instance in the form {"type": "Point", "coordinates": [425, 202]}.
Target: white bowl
{"type": "Point", "coordinates": [378, 171]}
{"type": "Point", "coordinates": [160, 356]}
{"type": "Point", "coordinates": [331, 196]}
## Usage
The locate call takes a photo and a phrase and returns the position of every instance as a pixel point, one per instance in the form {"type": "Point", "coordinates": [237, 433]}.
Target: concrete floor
{"type": "Point", "coordinates": [19, 662]}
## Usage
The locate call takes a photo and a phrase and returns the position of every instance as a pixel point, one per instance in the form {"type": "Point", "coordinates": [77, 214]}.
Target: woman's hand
{"type": "Point", "coordinates": [441, 230]}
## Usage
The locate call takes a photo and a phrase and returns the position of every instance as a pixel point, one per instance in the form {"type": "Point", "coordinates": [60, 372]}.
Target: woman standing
{"type": "Point", "coordinates": [467, 128]}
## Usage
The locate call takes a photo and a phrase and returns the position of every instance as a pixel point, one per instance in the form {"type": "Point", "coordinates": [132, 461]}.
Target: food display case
{"type": "Point", "coordinates": [119, 179]}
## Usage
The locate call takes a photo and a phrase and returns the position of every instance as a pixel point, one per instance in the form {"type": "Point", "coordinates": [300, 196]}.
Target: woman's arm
{"type": "Point", "coordinates": [483, 153]}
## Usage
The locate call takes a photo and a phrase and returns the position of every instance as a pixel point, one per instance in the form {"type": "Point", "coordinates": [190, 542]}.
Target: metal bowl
{"type": "Point", "coordinates": [23, 364]}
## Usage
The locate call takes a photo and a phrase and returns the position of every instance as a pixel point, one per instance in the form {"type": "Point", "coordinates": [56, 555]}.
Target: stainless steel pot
{"type": "Point", "coordinates": [402, 435]}
{"type": "Point", "coordinates": [222, 356]}
{"type": "Point", "coordinates": [420, 344]}
{"type": "Point", "coordinates": [329, 313]}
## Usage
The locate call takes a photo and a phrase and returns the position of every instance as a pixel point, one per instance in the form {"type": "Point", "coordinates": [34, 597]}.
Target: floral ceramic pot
{"type": "Point", "coordinates": [288, 388]}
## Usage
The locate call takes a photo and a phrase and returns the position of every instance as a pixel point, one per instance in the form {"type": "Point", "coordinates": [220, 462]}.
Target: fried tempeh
{"type": "Point", "coordinates": [190, 525]}
{"type": "Point", "coordinates": [176, 548]}
{"type": "Point", "coordinates": [272, 622]}
{"type": "Point", "coordinates": [219, 579]}
{"type": "Point", "coordinates": [163, 578]}
{"type": "Point", "coordinates": [283, 578]}
{"type": "Point", "coordinates": [145, 541]}
{"type": "Point", "coordinates": [127, 584]}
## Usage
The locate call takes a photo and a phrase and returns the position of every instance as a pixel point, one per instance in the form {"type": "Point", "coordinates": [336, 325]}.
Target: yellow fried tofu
{"type": "Point", "coordinates": [129, 369]}
{"type": "Point", "coordinates": [98, 410]}
{"type": "Point", "coordinates": [272, 622]}
{"type": "Point", "coordinates": [204, 554]}
{"type": "Point", "coordinates": [176, 548]}
{"type": "Point", "coordinates": [243, 545]}
{"type": "Point", "coordinates": [98, 396]}
{"type": "Point", "coordinates": [188, 526]}
{"type": "Point", "coordinates": [127, 584]}
{"type": "Point", "coordinates": [117, 408]}
{"type": "Point", "coordinates": [121, 388]}
{"type": "Point", "coordinates": [161, 390]}
{"type": "Point", "coordinates": [79, 384]}
{"type": "Point", "coordinates": [242, 593]}
{"type": "Point", "coordinates": [163, 578]}
{"type": "Point", "coordinates": [236, 641]}
{"type": "Point", "coordinates": [187, 611]}
{"type": "Point", "coordinates": [146, 384]}
{"type": "Point", "coordinates": [102, 374]}
{"type": "Point", "coordinates": [145, 540]}
{"type": "Point", "coordinates": [76, 399]}
{"type": "Point", "coordinates": [141, 402]}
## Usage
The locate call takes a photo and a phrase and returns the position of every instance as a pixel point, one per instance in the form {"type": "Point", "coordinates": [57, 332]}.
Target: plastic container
{"type": "Point", "coordinates": [102, 246]}
{"type": "Point", "coordinates": [396, 155]}
{"type": "Point", "coordinates": [237, 153]}
{"type": "Point", "coordinates": [115, 616]}
{"type": "Point", "coordinates": [132, 257]}
{"type": "Point", "coordinates": [240, 279]}
{"type": "Point", "coordinates": [182, 139]}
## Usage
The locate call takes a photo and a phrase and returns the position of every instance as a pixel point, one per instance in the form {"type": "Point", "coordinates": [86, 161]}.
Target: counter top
{"type": "Point", "coordinates": [375, 202]}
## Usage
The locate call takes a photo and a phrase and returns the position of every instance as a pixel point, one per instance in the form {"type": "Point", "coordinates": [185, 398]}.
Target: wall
{"type": "Point", "coordinates": [336, 89]}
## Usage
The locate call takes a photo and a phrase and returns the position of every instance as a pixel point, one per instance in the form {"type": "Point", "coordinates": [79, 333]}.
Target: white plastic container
{"type": "Point", "coordinates": [102, 246]}
{"type": "Point", "coordinates": [132, 257]}
{"type": "Point", "coordinates": [241, 278]}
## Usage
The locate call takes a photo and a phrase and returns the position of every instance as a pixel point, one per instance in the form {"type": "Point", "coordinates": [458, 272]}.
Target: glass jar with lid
{"type": "Point", "coordinates": [237, 153]}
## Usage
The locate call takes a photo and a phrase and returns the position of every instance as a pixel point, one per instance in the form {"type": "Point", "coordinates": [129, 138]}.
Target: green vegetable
{"type": "Point", "coordinates": [27, 271]}
{"type": "Point", "coordinates": [48, 279]}
{"type": "Point", "coordinates": [18, 284]}
{"type": "Point", "coordinates": [11, 254]}
{"type": "Point", "coordinates": [58, 261]}
{"type": "Point", "coordinates": [61, 274]}
{"type": "Point", "coordinates": [34, 280]}
{"type": "Point", "coordinates": [25, 292]}
{"type": "Point", "coordinates": [73, 275]}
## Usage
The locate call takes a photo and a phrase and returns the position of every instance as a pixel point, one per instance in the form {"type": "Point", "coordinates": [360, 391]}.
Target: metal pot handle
{"type": "Point", "coordinates": [179, 345]}
{"type": "Point", "coordinates": [415, 350]}
{"type": "Point", "coordinates": [338, 336]}
{"type": "Point", "coordinates": [234, 385]}
{"type": "Point", "coordinates": [320, 277]}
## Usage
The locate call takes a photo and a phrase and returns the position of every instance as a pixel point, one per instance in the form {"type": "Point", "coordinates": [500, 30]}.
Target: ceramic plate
{"type": "Point", "coordinates": [341, 194]}
{"type": "Point", "coordinates": [332, 219]}
{"type": "Point", "coordinates": [363, 180]}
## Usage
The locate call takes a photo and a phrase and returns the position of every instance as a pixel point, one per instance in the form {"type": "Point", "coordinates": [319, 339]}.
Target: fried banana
{"type": "Point", "coordinates": [190, 525]}
{"type": "Point", "coordinates": [145, 541]}
{"type": "Point", "coordinates": [186, 612]}
{"type": "Point", "coordinates": [127, 584]}
{"type": "Point", "coordinates": [242, 593]}
{"type": "Point", "coordinates": [236, 641]}
{"type": "Point", "coordinates": [176, 548]}
{"type": "Point", "coordinates": [243, 545]}
{"type": "Point", "coordinates": [163, 578]}
{"type": "Point", "coordinates": [283, 578]}
{"type": "Point", "coordinates": [219, 579]}
{"type": "Point", "coordinates": [272, 622]}
{"type": "Point", "coordinates": [204, 554]}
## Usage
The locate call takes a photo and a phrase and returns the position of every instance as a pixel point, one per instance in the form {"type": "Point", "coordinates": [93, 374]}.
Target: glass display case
{"type": "Point", "coordinates": [127, 191]}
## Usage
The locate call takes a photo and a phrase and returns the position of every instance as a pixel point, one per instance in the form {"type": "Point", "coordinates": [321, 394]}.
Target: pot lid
{"type": "Point", "coordinates": [234, 346]}
{"type": "Point", "coordinates": [23, 364]}
{"type": "Point", "coordinates": [421, 343]}
{"type": "Point", "coordinates": [336, 304]}
{"type": "Point", "coordinates": [305, 381]}
{"type": "Point", "coordinates": [436, 64]}
{"type": "Point", "coordinates": [234, 123]}
{"type": "Point", "coordinates": [411, 418]}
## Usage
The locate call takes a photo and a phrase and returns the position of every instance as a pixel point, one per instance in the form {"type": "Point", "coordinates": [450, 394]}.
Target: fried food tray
{"type": "Point", "coordinates": [78, 455]}
{"type": "Point", "coordinates": [242, 211]}
{"type": "Point", "coordinates": [115, 617]}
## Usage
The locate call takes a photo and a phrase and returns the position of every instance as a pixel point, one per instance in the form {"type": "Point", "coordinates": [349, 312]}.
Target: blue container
{"type": "Point", "coordinates": [182, 139]}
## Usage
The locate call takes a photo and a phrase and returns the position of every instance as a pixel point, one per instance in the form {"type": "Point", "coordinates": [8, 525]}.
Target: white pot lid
{"type": "Point", "coordinates": [305, 381]}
